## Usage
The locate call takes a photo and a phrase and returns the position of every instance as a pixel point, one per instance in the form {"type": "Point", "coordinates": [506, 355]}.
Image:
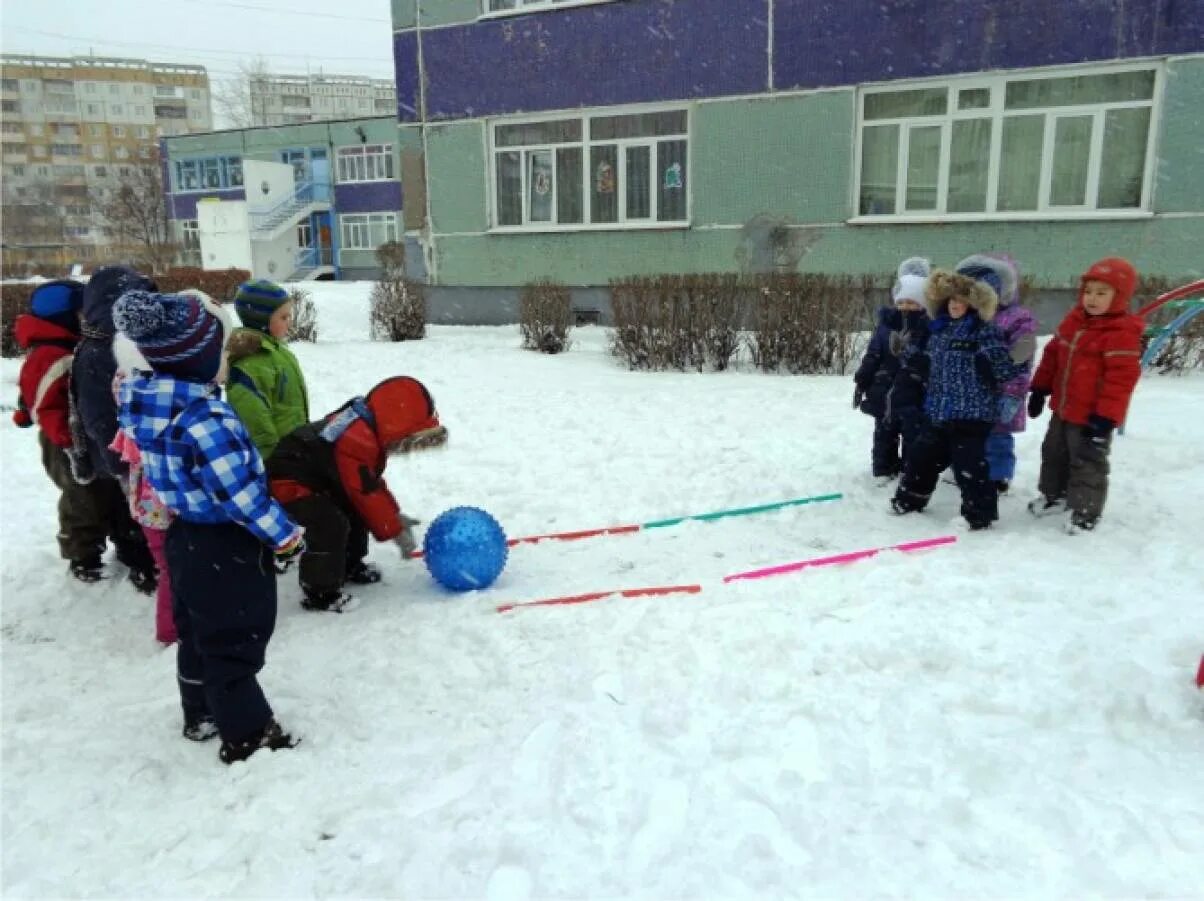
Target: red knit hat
{"type": "Point", "coordinates": [1118, 273]}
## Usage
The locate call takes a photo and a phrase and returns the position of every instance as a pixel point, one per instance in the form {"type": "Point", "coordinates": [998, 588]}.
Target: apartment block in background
{"type": "Point", "coordinates": [73, 128]}
{"type": "Point", "coordinates": [294, 99]}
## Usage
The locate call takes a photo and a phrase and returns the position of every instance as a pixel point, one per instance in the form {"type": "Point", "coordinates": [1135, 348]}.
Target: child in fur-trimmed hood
{"type": "Point", "coordinates": [964, 364]}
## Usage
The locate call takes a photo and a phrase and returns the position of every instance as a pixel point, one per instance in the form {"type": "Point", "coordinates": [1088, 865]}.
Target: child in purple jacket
{"type": "Point", "coordinates": [1019, 328]}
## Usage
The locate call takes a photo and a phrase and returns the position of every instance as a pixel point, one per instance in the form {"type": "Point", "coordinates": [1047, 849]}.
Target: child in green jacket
{"type": "Point", "coordinates": [265, 385]}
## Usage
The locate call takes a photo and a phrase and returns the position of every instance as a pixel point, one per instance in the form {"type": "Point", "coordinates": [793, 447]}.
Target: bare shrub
{"type": "Point", "coordinates": [545, 316]}
{"type": "Point", "coordinates": [14, 300]}
{"type": "Point", "coordinates": [810, 322]}
{"type": "Point", "coordinates": [677, 321]}
{"type": "Point", "coordinates": [398, 304]}
{"type": "Point", "coordinates": [304, 326]}
{"type": "Point", "coordinates": [220, 284]}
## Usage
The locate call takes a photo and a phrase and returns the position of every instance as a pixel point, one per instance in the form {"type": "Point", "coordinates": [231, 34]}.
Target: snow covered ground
{"type": "Point", "coordinates": [1009, 716]}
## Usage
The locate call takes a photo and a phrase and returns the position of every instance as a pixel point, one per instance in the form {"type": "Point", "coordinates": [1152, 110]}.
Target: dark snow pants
{"type": "Point", "coordinates": [1074, 468]}
{"type": "Point", "coordinates": [962, 445]}
{"type": "Point", "coordinates": [223, 586]}
{"type": "Point", "coordinates": [89, 514]}
{"type": "Point", "coordinates": [335, 541]}
{"type": "Point", "coordinates": [888, 458]}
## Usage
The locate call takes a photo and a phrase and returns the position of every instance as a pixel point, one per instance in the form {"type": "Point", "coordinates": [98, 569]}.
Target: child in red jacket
{"type": "Point", "coordinates": [1088, 371]}
{"type": "Point", "coordinates": [329, 475]}
{"type": "Point", "coordinates": [88, 508]}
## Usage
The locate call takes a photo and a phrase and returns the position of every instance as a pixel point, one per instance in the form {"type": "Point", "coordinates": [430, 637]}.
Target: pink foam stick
{"type": "Point", "coordinates": [850, 557]}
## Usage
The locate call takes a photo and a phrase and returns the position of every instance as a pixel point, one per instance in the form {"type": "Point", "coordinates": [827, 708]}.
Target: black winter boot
{"type": "Point", "coordinates": [273, 738]}
{"type": "Point", "coordinates": [144, 580]}
{"type": "Point", "coordinates": [329, 602]}
{"type": "Point", "coordinates": [361, 572]}
{"type": "Point", "coordinates": [88, 569]}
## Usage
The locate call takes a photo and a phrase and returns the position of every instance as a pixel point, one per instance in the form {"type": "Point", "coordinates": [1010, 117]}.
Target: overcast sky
{"type": "Point", "coordinates": [337, 36]}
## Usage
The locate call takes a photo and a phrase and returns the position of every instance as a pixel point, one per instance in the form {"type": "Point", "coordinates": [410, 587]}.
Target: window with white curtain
{"type": "Point", "coordinates": [601, 170]}
{"type": "Point", "coordinates": [1010, 145]}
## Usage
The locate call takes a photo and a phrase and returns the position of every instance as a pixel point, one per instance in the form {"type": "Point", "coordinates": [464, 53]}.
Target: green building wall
{"type": "Point", "coordinates": [788, 160]}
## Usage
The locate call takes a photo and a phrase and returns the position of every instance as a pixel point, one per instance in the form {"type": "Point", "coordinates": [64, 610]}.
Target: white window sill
{"type": "Point", "coordinates": [528, 10]}
{"type": "Point", "coordinates": [368, 181]}
{"type": "Point", "coordinates": [583, 227]}
{"type": "Point", "coordinates": [1034, 216]}
{"type": "Point", "coordinates": [206, 190]}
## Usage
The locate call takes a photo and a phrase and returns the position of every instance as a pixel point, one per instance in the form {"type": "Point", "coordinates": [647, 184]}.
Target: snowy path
{"type": "Point", "coordinates": [1009, 716]}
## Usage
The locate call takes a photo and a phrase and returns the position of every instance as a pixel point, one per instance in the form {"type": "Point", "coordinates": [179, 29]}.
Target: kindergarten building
{"type": "Point", "coordinates": [311, 200]}
{"type": "Point", "coordinates": [584, 140]}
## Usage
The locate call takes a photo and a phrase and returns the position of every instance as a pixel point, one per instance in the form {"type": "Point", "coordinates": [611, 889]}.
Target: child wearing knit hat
{"type": "Point", "coordinates": [884, 389]}
{"type": "Point", "coordinates": [1088, 372]}
{"type": "Point", "coordinates": [229, 537]}
{"type": "Point", "coordinates": [265, 387]}
{"type": "Point", "coordinates": [88, 507]}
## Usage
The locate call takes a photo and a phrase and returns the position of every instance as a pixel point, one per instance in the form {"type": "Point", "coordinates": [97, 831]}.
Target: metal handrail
{"type": "Point", "coordinates": [303, 194]}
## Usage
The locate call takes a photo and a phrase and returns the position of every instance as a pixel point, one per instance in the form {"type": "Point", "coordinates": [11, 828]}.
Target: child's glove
{"type": "Point", "coordinates": [405, 540]}
{"type": "Point", "coordinates": [919, 365]}
{"type": "Point", "coordinates": [290, 552]}
{"type": "Point", "coordinates": [986, 372]}
{"type": "Point", "coordinates": [21, 417]}
{"type": "Point", "coordinates": [1036, 402]}
{"type": "Point", "coordinates": [1099, 427]}
{"type": "Point", "coordinates": [82, 470]}
{"type": "Point", "coordinates": [858, 397]}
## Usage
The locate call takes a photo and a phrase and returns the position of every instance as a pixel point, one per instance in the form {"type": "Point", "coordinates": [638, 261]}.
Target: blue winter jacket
{"type": "Point", "coordinates": [956, 388]}
{"type": "Point", "coordinates": [94, 366]}
{"type": "Point", "coordinates": [198, 457]}
{"type": "Point", "coordinates": [880, 366]}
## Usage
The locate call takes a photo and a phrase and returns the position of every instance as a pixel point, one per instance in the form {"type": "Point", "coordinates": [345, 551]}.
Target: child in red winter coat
{"type": "Point", "coordinates": [89, 510]}
{"type": "Point", "coordinates": [329, 475]}
{"type": "Point", "coordinates": [1088, 371]}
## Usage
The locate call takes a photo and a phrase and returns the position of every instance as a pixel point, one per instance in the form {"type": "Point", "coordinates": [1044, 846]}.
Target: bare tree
{"type": "Point", "coordinates": [135, 208]}
{"type": "Point", "coordinates": [235, 108]}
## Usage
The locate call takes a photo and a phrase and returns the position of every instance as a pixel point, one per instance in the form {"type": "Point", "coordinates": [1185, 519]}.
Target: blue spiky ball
{"type": "Point", "coordinates": [465, 549]}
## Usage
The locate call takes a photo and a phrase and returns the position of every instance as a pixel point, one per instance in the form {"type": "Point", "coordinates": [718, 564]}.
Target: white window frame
{"type": "Point", "coordinates": [351, 163]}
{"type": "Point", "coordinates": [531, 6]}
{"type": "Point", "coordinates": [190, 233]}
{"type": "Point", "coordinates": [586, 142]}
{"type": "Point", "coordinates": [998, 85]}
{"type": "Point", "coordinates": [354, 225]}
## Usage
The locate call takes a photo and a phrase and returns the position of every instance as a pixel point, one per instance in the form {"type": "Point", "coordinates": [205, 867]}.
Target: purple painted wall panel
{"type": "Point", "coordinates": [183, 206]}
{"type": "Point", "coordinates": [821, 43]}
{"type": "Point", "coordinates": [405, 65]}
{"type": "Point", "coordinates": [613, 53]}
{"type": "Point", "coordinates": [373, 197]}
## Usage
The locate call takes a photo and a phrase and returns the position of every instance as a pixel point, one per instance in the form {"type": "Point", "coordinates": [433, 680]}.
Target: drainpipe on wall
{"type": "Point", "coordinates": [432, 260]}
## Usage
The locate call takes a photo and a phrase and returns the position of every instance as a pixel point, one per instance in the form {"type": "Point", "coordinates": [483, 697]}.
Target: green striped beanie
{"type": "Point", "coordinates": [257, 300]}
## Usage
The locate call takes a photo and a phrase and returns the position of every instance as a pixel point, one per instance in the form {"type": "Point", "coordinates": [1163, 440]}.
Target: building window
{"type": "Point", "coordinates": [89, 87]}
{"type": "Point", "coordinates": [601, 170]}
{"type": "Point", "coordinates": [76, 231]}
{"type": "Point", "coordinates": [305, 234]}
{"type": "Point", "coordinates": [67, 149]}
{"type": "Point", "coordinates": [98, 151]}
{"type": "Point", "coordinates": [35, 130]}
{"type": "Point", "coordinates": [114, 89]}
{"type": "Point", "coordinates": [97, 131]}
{"type": "Point", "coordinates": [367, 231]}
{"type": "Point", "coordinates": [9, 84]}
{"type": "Point", "coordinates": [38, 150]}
{"type": "Point", "coordinates": [498, 6]}
{"type": "Point", "coordinates": [213, 173]}
{"type": "Point", "coordinates": [1008, 145]}
{"type": "Point", "coordinates": [195, 94]}
{"type": "Point", "coordinates": [140, 111]}
{"type": "Point", "coordinates": [115, 109]}
{"type": "Point", "coordinates": [121, 153]}
{"type": "Point", "coordinates": [138, 89]}
{"type": "Point", "coordinates": [100, 171]}
{"type": "Point", "coordinates": [124, 171]}
{"type": "Point", "coordinates": [118, 131]}
{"type": "Point", "coordinates": [367, 162]}
{"type": "Point", "coordinates": [17, 171]}
{"type": "Point", "coordinates": [143, 132]}
{"type": "Point", "coordinates": [190, 233]}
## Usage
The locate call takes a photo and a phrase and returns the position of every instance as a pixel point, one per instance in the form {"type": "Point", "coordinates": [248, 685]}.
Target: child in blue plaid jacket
{"type": "Point", "coordinates": [229, 538]}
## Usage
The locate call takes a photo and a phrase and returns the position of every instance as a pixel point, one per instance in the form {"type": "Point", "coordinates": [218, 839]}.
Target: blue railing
{"type": "Point", "coordinates": [308, 258]}
{"type": "Point", "coordinates": [303, 195]}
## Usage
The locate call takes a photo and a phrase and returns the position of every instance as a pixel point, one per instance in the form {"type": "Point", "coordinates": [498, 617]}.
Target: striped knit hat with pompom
{"type": "Point", "coordinates": [179, 334]}
{"type": "Point", "coordinates": [256, 301]}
